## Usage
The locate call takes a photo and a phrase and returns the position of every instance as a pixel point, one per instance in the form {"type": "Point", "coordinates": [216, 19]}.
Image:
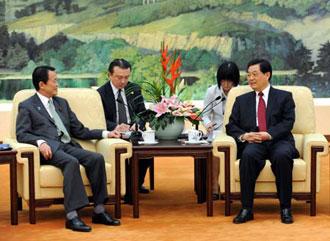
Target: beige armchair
{"type": "Point", "coordinates": [41, 185]}
{"type": "Point", "coordinates": [306, 170]}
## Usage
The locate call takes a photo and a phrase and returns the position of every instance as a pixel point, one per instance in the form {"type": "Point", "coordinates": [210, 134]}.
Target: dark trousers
{"type": "Point", "coordinates": [67, 158]}
{"type": "Point", "coordinates": [252, 161]}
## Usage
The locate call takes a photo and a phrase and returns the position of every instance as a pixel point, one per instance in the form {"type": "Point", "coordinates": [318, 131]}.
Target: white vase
{"type": "Point", "coordinates": [171, 131]}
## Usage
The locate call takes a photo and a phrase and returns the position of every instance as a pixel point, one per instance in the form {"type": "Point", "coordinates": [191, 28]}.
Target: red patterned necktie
{"type": "Point", "coordinates": [262, 113]}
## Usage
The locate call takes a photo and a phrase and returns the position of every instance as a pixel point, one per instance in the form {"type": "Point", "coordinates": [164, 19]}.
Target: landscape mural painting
{"type": "Point", "coordinates": [79, 38]}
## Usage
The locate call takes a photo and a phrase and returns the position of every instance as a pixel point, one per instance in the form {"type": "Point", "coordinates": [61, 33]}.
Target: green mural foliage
{"type": "Point", "coordinates": [80, 38]}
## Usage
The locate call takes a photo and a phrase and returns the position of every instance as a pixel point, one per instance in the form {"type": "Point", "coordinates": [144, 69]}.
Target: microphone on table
{"type": "Point", "coordinates": [218, 98]}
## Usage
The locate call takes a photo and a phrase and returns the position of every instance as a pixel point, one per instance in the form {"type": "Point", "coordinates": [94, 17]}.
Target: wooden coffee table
{"type": "Point", "coordinates": [9, 157]}
{"type": "Point", "coordinates": [203, 152]}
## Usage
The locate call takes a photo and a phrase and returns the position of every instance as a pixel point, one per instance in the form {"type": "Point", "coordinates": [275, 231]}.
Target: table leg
{"type": "Point", "coordinates": [135, 177]}
{"type": "Point", "coordinates": [13, 191]}
{"type": "Point", "coordinates": [209, 200]}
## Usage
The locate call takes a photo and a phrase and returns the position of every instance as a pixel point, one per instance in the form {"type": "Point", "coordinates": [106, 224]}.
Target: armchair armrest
{"type": "Point", "coordinates": [28, 156]}
{"type": "Point", "coordinates": [314, 146]}
{"type": "Point", "coordinates": [108, 148]}
{"type": "Point", "coordinates": [315, 141]}
{"type": "Point", "coordinates": [224, 147]}
{"type": "Point", "coordinates": [224, 141]}
{"type": "Point", "coordinates": [22, 148]}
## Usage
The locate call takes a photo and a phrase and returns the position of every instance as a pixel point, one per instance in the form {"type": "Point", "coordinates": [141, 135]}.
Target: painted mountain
{"type": "Point", "coordinates": [80, 37]}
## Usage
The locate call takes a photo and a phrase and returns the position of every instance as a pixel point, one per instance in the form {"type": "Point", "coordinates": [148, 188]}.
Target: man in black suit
{"type": "Point", "coordinates": [261, 122]}
{"type": "Point", "coordinates": [46, 121]}
{"type": "Point", "coordinates": [123, 105]}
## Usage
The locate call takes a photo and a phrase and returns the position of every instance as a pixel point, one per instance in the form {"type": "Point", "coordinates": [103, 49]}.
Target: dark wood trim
{"type": "Point", "coordinates": [309, 197]}
{"type": "Point", "coordinates": [9, 157]}
{"type": "Point", "coordinates": [226, 151]}
{"type": "Point", "coordinates": [32, 197]}
{"type": "Point", "coordinates": [327, 137]}
{"type": "Point", "coordinates": [119, 151]}
{"type": "Point", "coordinates": [152, 175]}
{"type": "Point", "coordinates": [315, 150]}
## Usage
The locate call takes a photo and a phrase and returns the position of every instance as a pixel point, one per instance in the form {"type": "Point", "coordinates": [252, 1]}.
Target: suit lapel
{"type": "Point", "coordinates": [250, 109]}
{"type": "Point", "coordinates": [269, 108]}
{"type": "Point", "coordinates": [111, 101]}
{"type": "Point", "coordinates": [41, 108]}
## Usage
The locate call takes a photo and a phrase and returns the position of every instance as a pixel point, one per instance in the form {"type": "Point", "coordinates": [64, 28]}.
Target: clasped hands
{"type": "Point", "coordinates": [256, 137]}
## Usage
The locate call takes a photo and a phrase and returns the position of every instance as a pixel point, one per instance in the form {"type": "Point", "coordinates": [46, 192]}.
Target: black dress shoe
{"type": "Point", "coordinates": [105, 218]}
{"type": "Point", "coordinates": [243, 216]}
{"type": "Point", "coordinates": [143, 190]}
{"type": "Point", "coordinates": [286, 216]}
{"type": "Point", "coordinates": [215, 196]}
{"type": "Point", "coordinates": [76, 224]}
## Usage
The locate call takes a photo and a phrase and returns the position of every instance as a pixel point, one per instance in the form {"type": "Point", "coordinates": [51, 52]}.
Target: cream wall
{"type": "Point", "coordinates": [322, 112]}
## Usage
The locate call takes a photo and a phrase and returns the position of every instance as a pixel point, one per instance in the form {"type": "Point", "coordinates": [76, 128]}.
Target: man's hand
{"type": "Point", "coordinates": [264, 136]}
{"type": "Point", "coordinates": [133, 127]}
{"type": "Point", "coordinates": [209, 127]}
{"type": "Point", "coordinates": [122, 127]}
{"type": "Point", "coordinates": [256, 137]}
{"type": "Point", "coordinates": [114, 134]}
{"type": "Point", "coordinates": [45, 151]}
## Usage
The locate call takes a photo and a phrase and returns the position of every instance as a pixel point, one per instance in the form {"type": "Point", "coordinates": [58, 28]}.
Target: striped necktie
{"type": "Point", "coordinates": [63, 133]}
{"type": "Point", "coordinates": [262, 113]}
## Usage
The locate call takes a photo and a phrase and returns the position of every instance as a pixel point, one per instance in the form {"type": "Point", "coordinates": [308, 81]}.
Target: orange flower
{"type": "Point", "coordinates": [174, 69]}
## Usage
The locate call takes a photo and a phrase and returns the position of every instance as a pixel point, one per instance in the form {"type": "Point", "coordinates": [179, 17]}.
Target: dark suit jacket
{"type": "Point", "coordinates": [280, 116]}
{"type": "Point", "coordinates": [34, 123]}
{"type": "Point", "coordinates": [134, 99]}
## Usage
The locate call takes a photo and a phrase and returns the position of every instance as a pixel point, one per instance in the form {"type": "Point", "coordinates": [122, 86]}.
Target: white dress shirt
{"type": "Point", "coordinates": [123, 95]}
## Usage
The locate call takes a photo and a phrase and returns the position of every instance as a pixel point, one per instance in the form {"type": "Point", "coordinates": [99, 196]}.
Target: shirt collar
{"type": "Point", "coordinates": [114, 89]}
{"type": "Point", "coordinates": [44, 99]}
{"type": "Point", "coordinates": [265, 91]}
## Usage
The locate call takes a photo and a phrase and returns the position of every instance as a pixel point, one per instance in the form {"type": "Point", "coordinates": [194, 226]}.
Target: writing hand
{"type": "Point", "coordinates": [114, 134]}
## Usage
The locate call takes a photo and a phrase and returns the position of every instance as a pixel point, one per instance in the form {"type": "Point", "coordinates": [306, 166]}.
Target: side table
{"type": "Point", "coordinates": [9, 157]}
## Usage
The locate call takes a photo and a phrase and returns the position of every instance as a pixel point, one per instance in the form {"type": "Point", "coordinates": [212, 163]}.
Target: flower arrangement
{"type": "Point", "coordinates": [167, 105]}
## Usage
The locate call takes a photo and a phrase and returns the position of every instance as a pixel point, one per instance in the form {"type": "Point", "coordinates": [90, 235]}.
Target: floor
{"type": "Point", "coordinates": [171, 213]}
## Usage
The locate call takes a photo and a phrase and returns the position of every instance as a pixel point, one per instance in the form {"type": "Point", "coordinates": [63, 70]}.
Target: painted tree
{"type": "Point", "coordinates": [323, 62]}
{"type": "Point", "coordinates": [301, 59]}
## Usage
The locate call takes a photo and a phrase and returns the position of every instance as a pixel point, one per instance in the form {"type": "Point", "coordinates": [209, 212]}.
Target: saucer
{"type": "Point", "coordinates": [196, 142]}
{"type": "Point", "coordinates": [148, 143]}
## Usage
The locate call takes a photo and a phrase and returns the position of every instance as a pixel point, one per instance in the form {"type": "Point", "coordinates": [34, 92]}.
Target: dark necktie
{"type": "Point", "coordinates": [62, 131]}
{"type": "Point", "coordinates": [122, 117]}
{"type": "Point", "coordinates": [262, 113]}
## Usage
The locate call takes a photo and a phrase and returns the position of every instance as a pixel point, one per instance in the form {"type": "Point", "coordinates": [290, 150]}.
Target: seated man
{"type": "Point", "coordinates": [46, 121]}
{"type": "Point", "coordinates": [261, 122]}
{"type": "Point", "coordinates": [122, 104]}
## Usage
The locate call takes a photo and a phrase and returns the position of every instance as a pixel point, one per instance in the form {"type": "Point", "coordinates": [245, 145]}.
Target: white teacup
{"type": "Point", "coordinates": [194, 135]}
{"type": "Point", "coordinates": [148, 136]}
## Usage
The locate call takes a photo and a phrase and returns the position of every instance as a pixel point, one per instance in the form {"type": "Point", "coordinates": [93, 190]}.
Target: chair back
{"type": "Point", "coordinates": [85, 103]}
{"type": "Point", "coordinates": [303, 98]}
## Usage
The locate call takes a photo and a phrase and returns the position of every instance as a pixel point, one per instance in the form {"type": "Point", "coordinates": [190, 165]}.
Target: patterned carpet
{"type": "Point", "coordinates": [171, 213]}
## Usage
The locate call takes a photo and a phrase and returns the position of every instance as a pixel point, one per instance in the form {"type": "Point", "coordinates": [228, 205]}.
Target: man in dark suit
{"type": "Point", "coordinates": [261, 122]}
{"type": "Point", "coordinates": [46, 121]}
{"type": "Point", "coordinates": [123, 105]}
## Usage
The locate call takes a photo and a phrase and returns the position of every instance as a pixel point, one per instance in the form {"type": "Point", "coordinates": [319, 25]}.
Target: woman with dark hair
{"type": "Point", "coordinates": [227, 77]}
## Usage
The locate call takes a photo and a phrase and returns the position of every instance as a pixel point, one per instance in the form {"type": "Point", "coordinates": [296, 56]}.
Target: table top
{"type": "Point", "coordinates": [173, 144]}
{"type": "Point", "coordinates": [5, 156]}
